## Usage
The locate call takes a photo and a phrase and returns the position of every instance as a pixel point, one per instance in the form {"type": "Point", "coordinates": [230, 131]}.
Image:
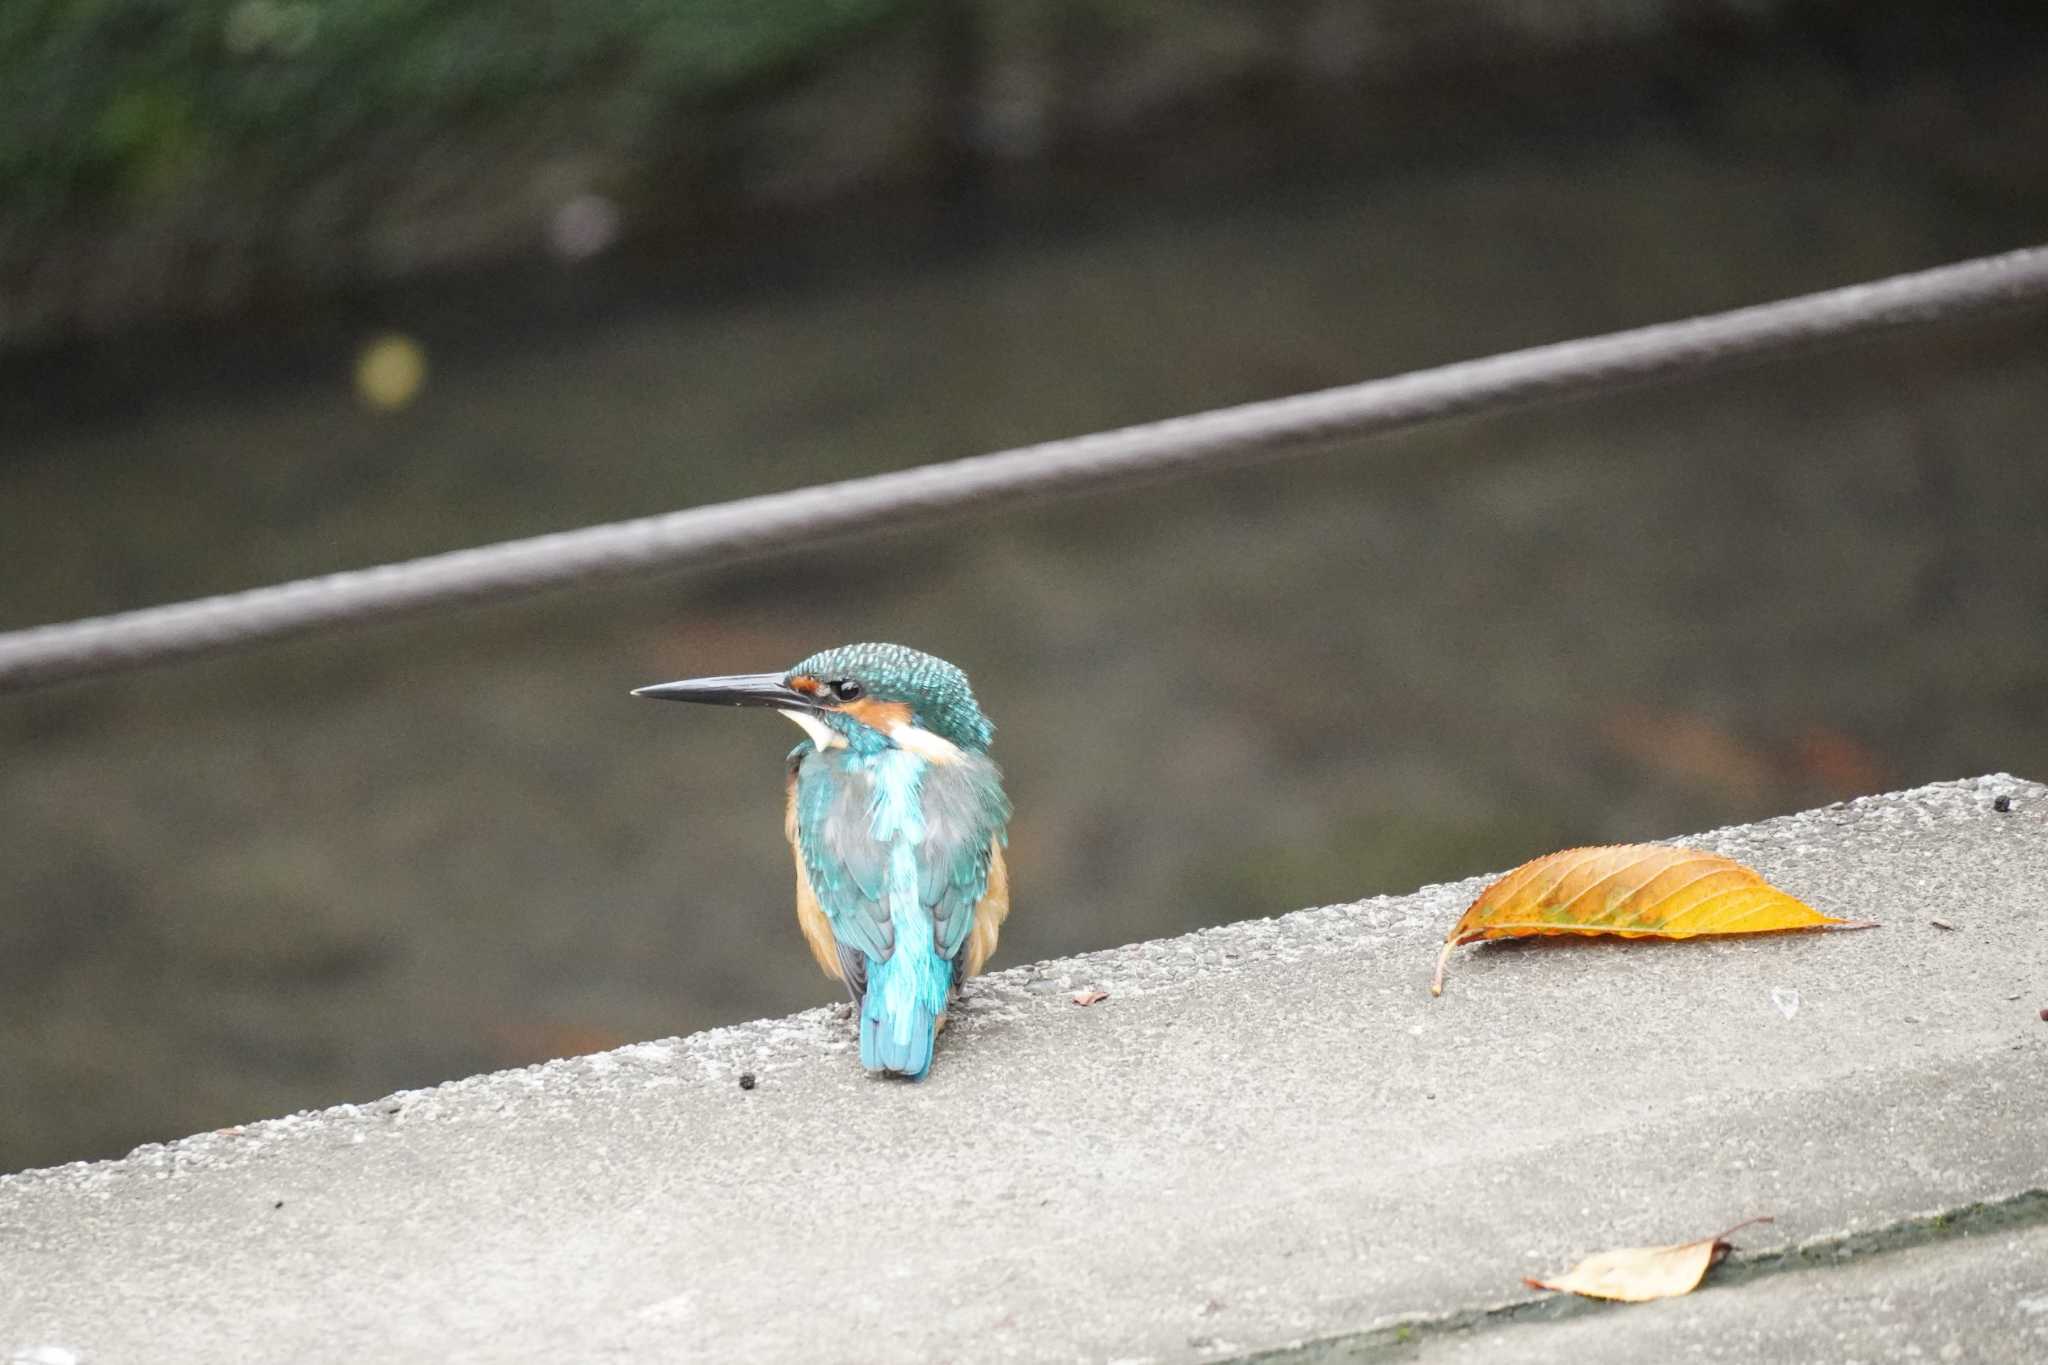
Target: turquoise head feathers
{"type": "Point", "coordinates": [871, 681]}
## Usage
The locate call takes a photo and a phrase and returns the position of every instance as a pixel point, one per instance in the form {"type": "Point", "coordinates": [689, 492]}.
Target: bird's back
{"type": "Point", "coordinates": [896, 851]}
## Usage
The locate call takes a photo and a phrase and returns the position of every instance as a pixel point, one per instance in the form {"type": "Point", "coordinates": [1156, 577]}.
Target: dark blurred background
{"type": "Point", "coordinates": [289, 286]}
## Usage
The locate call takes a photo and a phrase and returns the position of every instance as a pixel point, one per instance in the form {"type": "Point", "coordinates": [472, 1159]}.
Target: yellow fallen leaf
{"type": "Point", "coordinates": [1631, 891]}
{"type": "Point", "coordinates": [1639, 1274]}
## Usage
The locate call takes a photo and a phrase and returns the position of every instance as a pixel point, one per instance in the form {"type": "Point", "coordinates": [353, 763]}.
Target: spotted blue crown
{"type": "Point", "coordinates": [937, 693]}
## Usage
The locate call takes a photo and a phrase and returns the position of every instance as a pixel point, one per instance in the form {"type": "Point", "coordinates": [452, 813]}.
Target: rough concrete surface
{"type": "Point", "coordinates": [1269, 1133]}
{"type": "Point", "coordinates": [1980, 1298]}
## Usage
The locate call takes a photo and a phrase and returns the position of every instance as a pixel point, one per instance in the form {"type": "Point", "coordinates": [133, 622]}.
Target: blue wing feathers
{"type": "Point", "coordinates": [897, 853]}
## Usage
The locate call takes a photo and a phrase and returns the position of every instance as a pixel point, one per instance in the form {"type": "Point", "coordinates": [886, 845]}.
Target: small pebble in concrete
{"type": "Point", "coordinates": [1941, 924]}
{"type": "Point", "coordinates": [746, 1080]}
{"type": "Point", "coordinates": [2002, 805]}
{"type": "Point", "coordinates": [2044, 1016]}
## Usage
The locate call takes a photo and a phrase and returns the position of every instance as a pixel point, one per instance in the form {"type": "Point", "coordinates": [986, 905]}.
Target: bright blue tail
{"type": "Point", "coordinates": [903, 1046]}
{"type": "Point", "coordinates": [899, 1016]}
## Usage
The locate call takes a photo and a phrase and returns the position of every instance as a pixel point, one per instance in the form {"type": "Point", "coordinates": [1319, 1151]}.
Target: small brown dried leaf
{"type": "Point", "coordinates": [1639, 1274]}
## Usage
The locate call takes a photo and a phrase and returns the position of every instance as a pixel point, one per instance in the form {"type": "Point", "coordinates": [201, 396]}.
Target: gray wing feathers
{"type": "Point", "coordinates": [847, 866]}
{"type": "Point", "coordinates": [853, 966]}
{"type": "Point", "coordinates": [964, 811]}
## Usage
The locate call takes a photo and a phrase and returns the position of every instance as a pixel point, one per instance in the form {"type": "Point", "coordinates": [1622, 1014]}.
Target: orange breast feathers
{"type": "Point", "coordinates": [989, 913]}
{"type": "Point", "coordinates": [810, 916]}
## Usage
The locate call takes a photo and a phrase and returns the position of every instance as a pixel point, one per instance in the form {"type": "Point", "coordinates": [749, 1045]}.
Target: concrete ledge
{"type": "Point", "coordinates": [1982, 1296]}
{"type": "Point", "coordinates": [1268, 1134]}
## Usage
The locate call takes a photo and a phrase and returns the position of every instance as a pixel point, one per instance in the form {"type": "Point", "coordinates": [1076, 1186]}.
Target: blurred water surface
{"type": "Point", "coordinates": [328, 869]}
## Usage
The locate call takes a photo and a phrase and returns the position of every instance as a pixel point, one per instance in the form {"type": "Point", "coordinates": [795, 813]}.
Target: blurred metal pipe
{"type": "Point", "coordinates": [759, 526]}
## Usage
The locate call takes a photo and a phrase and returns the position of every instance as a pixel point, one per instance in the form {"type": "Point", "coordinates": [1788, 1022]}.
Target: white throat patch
{"type": "Point", "coordinates": [926, 745]}
{"type": "Point", "coordinates": [822, 735]}
{"type": "Point", "coordinates": [909, 738]}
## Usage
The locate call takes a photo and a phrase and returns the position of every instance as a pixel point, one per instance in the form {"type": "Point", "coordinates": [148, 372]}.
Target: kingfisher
{"type": "Point", "coordinates": [897, 821]}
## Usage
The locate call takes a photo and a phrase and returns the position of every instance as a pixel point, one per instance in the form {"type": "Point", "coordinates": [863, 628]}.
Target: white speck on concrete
{"type": "Point", "coordinates": [44, 1355]}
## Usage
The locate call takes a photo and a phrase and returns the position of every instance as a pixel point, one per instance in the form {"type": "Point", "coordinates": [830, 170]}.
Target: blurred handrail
{"type": "Point", "coordinates": [755, 526]}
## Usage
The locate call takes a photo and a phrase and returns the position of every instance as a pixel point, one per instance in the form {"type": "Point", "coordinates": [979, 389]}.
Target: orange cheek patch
{"type": "Point", "coordinates": [804, 683]}
{"type": "Point", "coordinates": [878, 715]}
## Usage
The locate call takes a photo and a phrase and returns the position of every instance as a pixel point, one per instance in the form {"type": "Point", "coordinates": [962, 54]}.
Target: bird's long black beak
{"type": "Point", "coordinates": [738, 689]}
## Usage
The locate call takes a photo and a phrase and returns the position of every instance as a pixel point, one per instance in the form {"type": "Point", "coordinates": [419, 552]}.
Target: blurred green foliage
{"type": "Point", "coordinates": [110, 102]}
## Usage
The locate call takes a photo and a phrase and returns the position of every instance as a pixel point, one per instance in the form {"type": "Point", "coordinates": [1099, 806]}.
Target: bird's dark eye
{"type": "Point", "coordinates": [846, 689]}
